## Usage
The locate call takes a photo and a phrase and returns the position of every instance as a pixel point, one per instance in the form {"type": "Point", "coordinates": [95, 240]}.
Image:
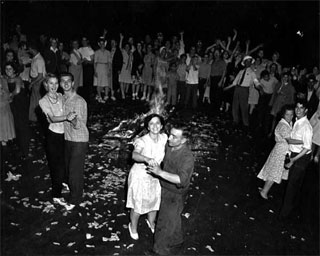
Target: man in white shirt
{"type": "Point", "coordinates": [300, 147]}
{"type": "Point", "coordinates": [87, 54]}
{"type": "Point", "coordinates": [243, 81]}
{"type": "Point", "coordinates": [192, 81]}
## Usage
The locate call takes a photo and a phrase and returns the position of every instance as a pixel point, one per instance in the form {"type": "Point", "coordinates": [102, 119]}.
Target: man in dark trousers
{"type": "Point", "coordinates": [300, 146]}
{"type": "Point", "coordinates": [52, 57]}
{"type": "Point", "coordinates": [178, 165]}
{"type": "Point", "coordinates": [117, 62]}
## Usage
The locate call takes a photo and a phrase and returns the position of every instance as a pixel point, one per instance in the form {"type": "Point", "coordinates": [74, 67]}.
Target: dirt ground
{"type": "Point", "coordinates": [223, 215]}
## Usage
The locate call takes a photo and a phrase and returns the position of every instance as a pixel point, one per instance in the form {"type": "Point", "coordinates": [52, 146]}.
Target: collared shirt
{"type": "Point", "coordinates": [180, 162]}
{"type": "Point", "coordinates": [302, 130]}
{"type": "Point", "coordinates": [75, 55]}
{"type": "Point", "coordinates": [218, 67]}
{"type": "Point", "coordinates": [37, 66]}
{"type": "Point", "coordinates": [53, 108]}
{"type": "Point", "coordinates": [250, 78]}
{"type": "Point", "coordinates": [86, 52]}
{"type": "Point", "coordinates": [53, 49]}
{"type": "Point", "coordinates": [79, 132]}
{"type": "Point", "coordinates": [268, 86]}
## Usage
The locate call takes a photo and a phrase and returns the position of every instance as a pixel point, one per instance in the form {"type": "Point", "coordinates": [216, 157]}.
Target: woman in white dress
{"type": "Point", "coordinates": [144, 190]}
{"type": "Point", "coordinates": [273, 169]}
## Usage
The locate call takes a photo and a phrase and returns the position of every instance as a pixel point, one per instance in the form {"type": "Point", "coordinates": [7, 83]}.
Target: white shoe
{"type": "Point", "coordinates": [65, 188]}
{"type": "Point", "coordinates": [149, 225]}
{"type": "Point", "coordinates": [134, 236]}
{"type": "Point", "coordinates": [69, 207]}
{"type": "Point", "coordinates": [59, 200]}
{"type": "Point", "coordinates": [113, 98]}
{"type": "Point", "coordinates": [105, 98]}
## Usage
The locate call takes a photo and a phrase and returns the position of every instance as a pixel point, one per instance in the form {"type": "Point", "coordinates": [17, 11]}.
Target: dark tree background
{"type": "Point", "coordinates": [273, 23]}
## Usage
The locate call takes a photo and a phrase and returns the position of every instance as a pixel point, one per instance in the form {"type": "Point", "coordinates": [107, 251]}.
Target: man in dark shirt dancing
{"type": "Point", "coordinates": [178, 165]}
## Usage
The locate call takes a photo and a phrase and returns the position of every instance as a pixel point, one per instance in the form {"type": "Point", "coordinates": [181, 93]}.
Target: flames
{"type": "Point", "coordinates": [127, 128]}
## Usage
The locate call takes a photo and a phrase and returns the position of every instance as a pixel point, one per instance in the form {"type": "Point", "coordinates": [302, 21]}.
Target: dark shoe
{"type": "Point", "coordinates": [150, 252]}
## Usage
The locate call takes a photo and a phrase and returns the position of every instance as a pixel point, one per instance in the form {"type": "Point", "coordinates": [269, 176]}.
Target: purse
{"type": "Point", "coordinates": [286, 161]}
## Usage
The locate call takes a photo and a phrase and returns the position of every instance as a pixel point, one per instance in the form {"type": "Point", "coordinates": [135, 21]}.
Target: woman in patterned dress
{"type": "Point", "coordinates": [144, 190]}
{"type": "Point", "coordinates": [273, 169]}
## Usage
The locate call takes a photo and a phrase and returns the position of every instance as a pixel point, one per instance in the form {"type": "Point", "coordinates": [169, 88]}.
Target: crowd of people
{"type": "Point", "coordinates": [224, 77]}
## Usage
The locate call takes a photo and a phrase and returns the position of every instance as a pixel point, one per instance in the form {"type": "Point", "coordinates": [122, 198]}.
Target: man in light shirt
{"type": "Point", "coordinates": [300, 146]}
{"type": "Point", "coordinates": [242, 82]}
{"type": "Point", "coordinates": [76, 137]}
{"type": "Point", "coordinates": [87, 54]}
{"type": "Point", "coordinates": [37, 74]}
{"type": "Point", "coordinates": [192, 81]}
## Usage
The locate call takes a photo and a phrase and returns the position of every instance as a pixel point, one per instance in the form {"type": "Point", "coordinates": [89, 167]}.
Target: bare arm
{"type": "Point", "coordinates": [173, 178]}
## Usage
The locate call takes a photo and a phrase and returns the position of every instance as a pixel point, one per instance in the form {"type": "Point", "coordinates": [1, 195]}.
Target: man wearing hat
{"type": "Point", "coordinates": [242, 82]}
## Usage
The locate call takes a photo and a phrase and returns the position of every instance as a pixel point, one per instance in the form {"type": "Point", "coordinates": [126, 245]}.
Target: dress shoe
{"type": "Point", "coordinates": [149, 225]}
{"type": "Point", "coordinates": [134, 236]}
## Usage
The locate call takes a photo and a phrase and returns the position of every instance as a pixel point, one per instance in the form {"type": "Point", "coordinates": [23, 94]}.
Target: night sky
{"type": "Point", "coordinates": [271, 22]}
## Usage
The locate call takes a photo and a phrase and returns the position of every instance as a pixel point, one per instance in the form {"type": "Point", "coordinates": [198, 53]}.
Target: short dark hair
{"type": "Point", "coordinates": [302, 102]}
{"type": "Point", "coordinates": [13, 65]}
{"type": "Point", "coordinates": [285, 108]}
{"type": "Point", "coordinates": [34, 45]}
{"type": "Point", "coordinates": [264, 73]}
{"type": "Point", "coordinates": [66, 74]}
{"type": "Point", "coordinates": [149, 117]}
{"type": "Point", "coordinates": [186, 133]}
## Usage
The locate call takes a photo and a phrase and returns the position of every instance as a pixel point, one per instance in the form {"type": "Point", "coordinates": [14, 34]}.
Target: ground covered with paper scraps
{"type": "Point", "coordinates": [224, 214]}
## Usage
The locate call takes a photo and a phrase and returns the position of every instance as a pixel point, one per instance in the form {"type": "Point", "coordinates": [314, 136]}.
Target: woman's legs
{"type": "Point", "coordinates": [144, 90]}
{"type": "Point", "coordinates": [267, 185]}
{"type": "Point", "coordinates": [122, 88]}
{"type": "Point", "coordinates": [273, 125]}
{"type": "Point", "coordinates": [152, 217]}
{"type": "Point", "coordinates": [251, 108]}
{"type": "Point", "coordinates": [134, 218]}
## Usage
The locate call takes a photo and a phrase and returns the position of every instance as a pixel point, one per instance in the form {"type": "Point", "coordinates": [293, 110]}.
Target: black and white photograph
{"type": "Point", "coordinates": [159, 127]}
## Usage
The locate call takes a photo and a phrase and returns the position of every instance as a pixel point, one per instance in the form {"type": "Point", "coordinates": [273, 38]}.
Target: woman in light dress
{"type": "Point", "coordinates": [7, 131]}
{"type": "Point", "coordinates": [144, 190]}
{"type": "Point", "coordinates": [273, 169]}
{"type": "Point", "coordinates": [125, 75]}
{"type": "Point", "coordinates": [102, 70]}
{"type": "Point", "coordinates": [315, 123]}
